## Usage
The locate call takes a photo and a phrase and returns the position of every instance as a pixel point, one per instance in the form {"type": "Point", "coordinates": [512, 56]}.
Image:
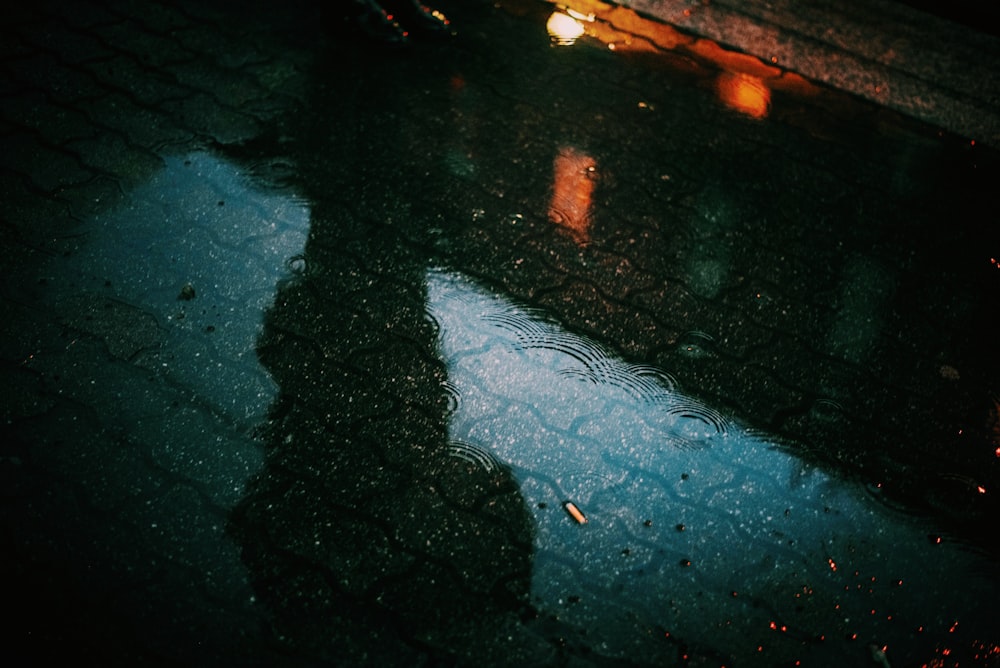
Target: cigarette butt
{"type": "Point", "coordinates": [574, 512]}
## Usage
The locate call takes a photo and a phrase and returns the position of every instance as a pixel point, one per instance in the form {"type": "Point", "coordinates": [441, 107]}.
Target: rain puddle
{"type": "Point", "coordinates": [149, 395]}
{"type": "Point", "coordinates": [664, 528]}
{"type": "Point", "coordinates": [580, 340]}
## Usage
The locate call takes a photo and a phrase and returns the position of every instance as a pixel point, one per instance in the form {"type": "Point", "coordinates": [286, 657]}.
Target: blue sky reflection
{"type": "Point", "coordinates": [699, 528]}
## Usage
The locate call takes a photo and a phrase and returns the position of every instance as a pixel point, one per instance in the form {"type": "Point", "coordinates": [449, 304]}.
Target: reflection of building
{"type": "Point", "coordinates": [362, 515]}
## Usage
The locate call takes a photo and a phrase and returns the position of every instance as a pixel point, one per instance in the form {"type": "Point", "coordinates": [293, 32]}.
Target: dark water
{"type": "Point", "coordinates": [742, 323]}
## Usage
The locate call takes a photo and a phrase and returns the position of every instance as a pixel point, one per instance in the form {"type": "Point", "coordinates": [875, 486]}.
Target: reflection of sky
{"type": "Point", "coordinates": [178, 376]}
{"type": "Point", "coordinates": [199, 222]}
{"type": "Point", "coordinates": [165, 392]}
{"type": "Point", "coordinates": [697, 526]}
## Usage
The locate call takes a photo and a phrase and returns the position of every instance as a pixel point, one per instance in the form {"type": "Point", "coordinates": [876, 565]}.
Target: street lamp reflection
{"type": "Point", "coordinates": [563, 29]}
{"type": "Point", "coordinates": [744, 93]}
{"type": "Point", "coordinates": [573, 179]}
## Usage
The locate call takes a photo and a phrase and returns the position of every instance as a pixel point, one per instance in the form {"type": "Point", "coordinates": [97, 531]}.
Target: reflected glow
{"type": "Point", "coordinates": [744, 93]}
{"type": "Point", "coordinates": [563, 29]}
{"type": "Point", "coordinates": [573, 175]}
{"type": "Point", "coordinates": [680, 504]}
{"type": "Point", "coordinates": [747, 82]}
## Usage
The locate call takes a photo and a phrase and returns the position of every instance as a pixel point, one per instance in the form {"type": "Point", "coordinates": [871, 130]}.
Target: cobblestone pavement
{"type": "Point", "coordinates": [274, 296]}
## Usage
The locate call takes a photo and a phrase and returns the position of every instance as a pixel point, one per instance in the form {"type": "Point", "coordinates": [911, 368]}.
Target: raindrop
{"type": "Point", "coordinates": [296, 264]}
{"type": "Point", "coordinates": [475, 455]}
{"type": "Point", "coordinates": [705, 416]}
{"type": "Point", "coordinates": [453, 396]}
{"type": "Point", "coordinates": [528, 328]}
{"type": "Point", "coordinates": [694, 343]}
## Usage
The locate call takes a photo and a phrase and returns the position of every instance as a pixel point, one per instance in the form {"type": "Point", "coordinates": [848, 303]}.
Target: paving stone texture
{"type": "Point", "coordinates": [225, 416]}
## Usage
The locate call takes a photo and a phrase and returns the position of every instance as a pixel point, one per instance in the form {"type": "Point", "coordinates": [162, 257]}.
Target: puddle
{"type": "Point", "coordinates": [149, 394]}
{"type": "Point", "coordinates": [697, 377]}
{"type": "Point", "coordinates": [177, 279]}
{"type": "Point", "coordinates": [696, 531]}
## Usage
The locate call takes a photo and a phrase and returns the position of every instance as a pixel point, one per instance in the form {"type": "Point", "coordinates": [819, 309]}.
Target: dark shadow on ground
{"type": "Point", "coordinates": [368, 540]}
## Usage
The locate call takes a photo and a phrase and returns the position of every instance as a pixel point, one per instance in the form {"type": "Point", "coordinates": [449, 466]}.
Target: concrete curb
{"type": "Point", "coordinates": [925, 66]}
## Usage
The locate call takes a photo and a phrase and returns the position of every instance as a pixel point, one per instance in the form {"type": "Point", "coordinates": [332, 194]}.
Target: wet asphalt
{"type": "Point", "coordinates": [229, 415]}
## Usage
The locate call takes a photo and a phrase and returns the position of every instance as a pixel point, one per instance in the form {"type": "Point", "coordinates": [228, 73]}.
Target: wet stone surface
{"type": "Point", "coordinates": [307, 343]}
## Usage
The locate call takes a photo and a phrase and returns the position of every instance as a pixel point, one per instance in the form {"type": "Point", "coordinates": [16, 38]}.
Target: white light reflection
{"type": "Point", "coordinates": [695, 525]}
{"type": "Point", "coordinates": [563, 29]}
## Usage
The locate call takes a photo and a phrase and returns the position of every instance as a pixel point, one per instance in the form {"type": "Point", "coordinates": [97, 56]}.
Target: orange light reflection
{"type": "Point", "coordinates": [573, 183]}
{"type": "Point", "coordinates": [745, 82]}
{"type": "Point", "coordinates": [744, 93]}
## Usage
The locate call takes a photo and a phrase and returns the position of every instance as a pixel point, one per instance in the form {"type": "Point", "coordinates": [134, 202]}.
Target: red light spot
{"type": "Point", "coordinates": [833, 565]}
{"type": "Point", "coordinates": [981, 489]}
{"type": "Point", "coordinates": [953, 627]}
{"type": "Point", "coordinates": [773, 625]}
{"type": "Point", "coordinates": [945, 652]}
